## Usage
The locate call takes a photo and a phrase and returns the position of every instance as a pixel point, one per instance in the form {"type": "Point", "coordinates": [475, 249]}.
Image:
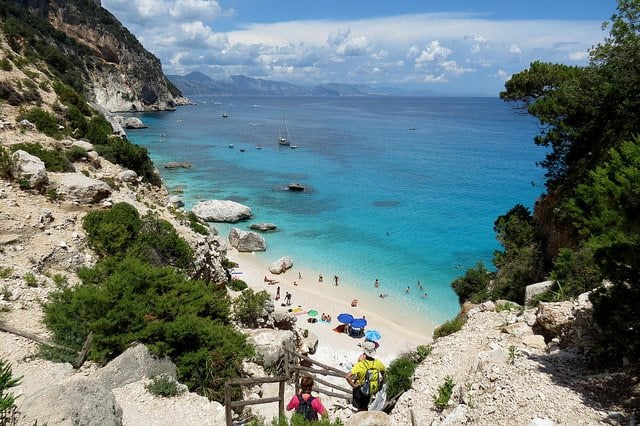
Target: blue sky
{"type": "Point", "coordinates": [449, 47]}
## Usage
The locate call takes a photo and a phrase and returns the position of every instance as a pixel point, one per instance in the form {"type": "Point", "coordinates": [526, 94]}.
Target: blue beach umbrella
{"type": "Point", "coordinates": [359, 323]}
{"type": "Point", "coordinates": [373, 335]}
{"type": "Point", "coordinates": [345, 318]}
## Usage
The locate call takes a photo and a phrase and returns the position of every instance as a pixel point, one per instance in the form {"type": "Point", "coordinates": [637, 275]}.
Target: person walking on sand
{"type": "Point", "coordinates": [287, 298]}
{"type": "Point", "coordinates": [335, 278]}
{"type": "Point", "coordinates": [299, 275]}
{"type": "Point", "coordinates": [356, 377]}
{"type": "Point", "coordinates": [278, 293]}
{"type": "Point", "coordinates": [320, 278]}
{"type": "Point", "coordinates": [305, 404]}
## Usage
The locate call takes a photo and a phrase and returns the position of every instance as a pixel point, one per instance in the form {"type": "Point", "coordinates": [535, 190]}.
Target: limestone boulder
{"type": "Point", "coordinates": [264, 227]}
{"type": "Point", "coordinates": [369, 418]}
{"type": "Point", "coordinates": [246, 241]}
{"type": "Point", "coordinates": [270, 344]}
{"type": "Point", "coordinates": [128, 176]}
{"type": "Point", "coordinates": [80, 188]}
{"type": "Point", "coordinates": [176, 201]}
{"type": "Point", "coordinates": [133, 123]}
{"type": "Point", "coordinates": [78, 401]}
{"type": "Point", "coordinates": [83, 144]}
{"type": "Point", "coordinates": [535, 289]}
{"type": "Point", "coordinates": [29, 168]}
{"type": "Point", "coordinates": [221, 211]}
{"type": "Point", "coordinates": [134, 364]}
{"type": "Point", "coordinates": [554, 317]}
{"type": "Point", "coordinates": [281, 265]}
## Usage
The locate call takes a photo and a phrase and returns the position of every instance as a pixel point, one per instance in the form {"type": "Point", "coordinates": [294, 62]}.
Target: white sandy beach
{"type": "Point", "coordinates": [401, 330]}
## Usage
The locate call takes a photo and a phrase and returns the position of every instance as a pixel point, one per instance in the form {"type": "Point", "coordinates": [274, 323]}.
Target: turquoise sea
{"type": "Point", "coordinates": [397, 188]}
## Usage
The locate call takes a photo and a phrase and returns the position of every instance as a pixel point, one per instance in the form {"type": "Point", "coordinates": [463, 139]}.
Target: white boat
{"type": "Point", "coordinates": [283, 137]}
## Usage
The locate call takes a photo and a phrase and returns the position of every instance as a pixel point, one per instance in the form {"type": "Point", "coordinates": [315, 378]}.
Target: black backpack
{"type": "Point", "coordinates": [305, 409]}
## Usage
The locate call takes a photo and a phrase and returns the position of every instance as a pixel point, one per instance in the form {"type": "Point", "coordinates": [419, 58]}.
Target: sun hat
{"type": "Point", "coordinates": [369, 348]}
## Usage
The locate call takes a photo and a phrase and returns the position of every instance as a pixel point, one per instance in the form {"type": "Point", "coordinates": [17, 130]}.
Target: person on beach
{"type": "Point", "coordinates": [320, 278]}
{"type": "Point", "coordinates": [287, 298]}
{"type": "Point", "coordinates": [335, 278]}
{"type": "Point", "coordinates": [382, 295]}
{"type": "Point", "coordinates": [354, 303]}
{"type": "Point", "coordinates": [299, 275]}
{"type": "Point", "coordinates": [376, 284]}
{"type": "Point", "coordinates": [295, 283]}
{"type": "Point", "coordinates": [305, 404]}
{"type": "Point", "coordinates": [278, 293]}
{"type": "Point", "coordinates": [366, 363]}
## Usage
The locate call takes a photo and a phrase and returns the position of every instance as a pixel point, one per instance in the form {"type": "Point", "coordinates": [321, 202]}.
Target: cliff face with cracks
{"type": "Point", "coordinates": [116, 71]}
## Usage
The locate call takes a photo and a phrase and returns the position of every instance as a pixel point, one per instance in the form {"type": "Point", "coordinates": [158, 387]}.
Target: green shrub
{"type": "Point", "coordinates": [131, 156]}
{"type": "Point", "coordinates": [398, 376]}
{"type": "Point", "coordinates": [126, 300]}
{"type": "Point", "coordinates": [163, 385]}
{"type": "Point", "coordinates": [474, 285]}
{"type": "Point", "coordinates": [444, 393]}
{"type": "Point", "coordinates": [7, 381]}
{"type": "Point", "coordinates": [30, 280]}
{"type": "Point", "coordinates": [249, 306]}
{"type": "Point", "coordinates": [54, 159]}
{"type": "Point", "coordinates": [76, 153]}
{"type": "Point", "coordinates": [237, 285]}
{"type": "Point", "coordinates": [6, 164]}
{"type": "Point", "coordinates": [577, 271]}
{"type": "Point", "coordinates": [196, 225]}
{"type": "Point", "coordinates": [5, 64]}
{"type": "Point", "coordinates": [5, 293]}
{"type": "Point", "coordinates": [69, 97]}
{"type": "Point", "coordinates": [423, 351]}
{"type": "Point", "coordinates": [44, 121]}
{"type": "Point", "coordinates": [449, 327]}
{"type": "Point", "coordinates": [112, 232]}
{"type": "Point", "coordinates": [159, 244]}
{"type": "Point", "coordinates": [57, 354]}
{"type": "Point", "coordinates": [6, 272]}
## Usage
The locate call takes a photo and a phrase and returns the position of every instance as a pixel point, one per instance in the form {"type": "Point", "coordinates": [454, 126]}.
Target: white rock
{"type": "Point", "coordinates": [221, 211]}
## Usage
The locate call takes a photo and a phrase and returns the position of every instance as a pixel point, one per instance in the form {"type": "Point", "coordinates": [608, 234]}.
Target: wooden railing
{"type": "Point", "coordinates": [293, 370]}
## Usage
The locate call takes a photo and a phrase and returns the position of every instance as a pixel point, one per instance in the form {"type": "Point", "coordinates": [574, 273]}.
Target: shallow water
{"type": "Point", "coordinates": [399, 189]}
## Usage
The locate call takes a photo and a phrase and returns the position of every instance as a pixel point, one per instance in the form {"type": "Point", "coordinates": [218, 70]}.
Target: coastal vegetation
{"type": "Point", "coordinates": [585, 228]}
{"type": "Point", "coordinates": [7, 399]}
{"type": "Point", "coordinates": [139, 292]}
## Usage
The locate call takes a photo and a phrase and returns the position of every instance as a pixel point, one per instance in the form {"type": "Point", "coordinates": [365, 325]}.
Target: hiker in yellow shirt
{"type": "Point", "coordinates": [356, 377]}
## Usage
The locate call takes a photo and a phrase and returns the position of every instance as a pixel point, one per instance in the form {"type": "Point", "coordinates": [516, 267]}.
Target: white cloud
{"type": "Point", "coordinates": [432, 52]}
{"type": "Point", "coordinates": [454, 68]}
{"type": "Point", "coordinates": [578, 56]}
{"type": "Point", "coordinates": [425, 48]}
{"type": "Point", "coordinates": [502, 75]}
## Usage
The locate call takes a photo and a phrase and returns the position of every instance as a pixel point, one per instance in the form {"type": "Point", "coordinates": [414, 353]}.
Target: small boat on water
{"type": "Point", "coordinates": [230, 145]}
{"type": "Point", "coordinates": [258, 147]}
{"type": "Point", "coordinates": [225, 115]}
{"type": "Point", "coordinates": [295, 187]}
{"type": "Point", "coordinates": [283, 137]}
{"type": "Point", "coordinates": [241, 149]}
{"type": "Point", "coordinates": [294, 146]}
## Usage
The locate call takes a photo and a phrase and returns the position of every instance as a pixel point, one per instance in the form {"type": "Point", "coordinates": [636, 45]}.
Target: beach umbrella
{"type": "Point", "coordinates": [359, 323]}
{"type": "Point", "coordinates": [312, 313]}
{"type": "Point", "coordinates": [345, 318]}
{"type": "Point", "coordinates": [373, 335]}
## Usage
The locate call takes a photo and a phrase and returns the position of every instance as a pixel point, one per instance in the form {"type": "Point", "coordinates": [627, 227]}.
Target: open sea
{"type": "Point", "coordinates": [399, 189]}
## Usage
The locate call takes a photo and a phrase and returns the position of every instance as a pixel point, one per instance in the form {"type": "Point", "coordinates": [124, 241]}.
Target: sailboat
{"type": "Point", "coordinates": [283, 138]}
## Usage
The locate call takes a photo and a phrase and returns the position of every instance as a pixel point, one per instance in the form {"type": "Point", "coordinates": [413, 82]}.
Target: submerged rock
{"type": "Point", "coordinates": [263, 227]}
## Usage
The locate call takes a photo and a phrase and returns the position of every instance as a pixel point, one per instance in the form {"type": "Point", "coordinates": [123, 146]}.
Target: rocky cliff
{"type": "Point", "coordinates": [98, 53]}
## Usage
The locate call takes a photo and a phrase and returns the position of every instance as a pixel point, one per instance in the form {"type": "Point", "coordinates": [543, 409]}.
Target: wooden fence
{"type": "Point", "coordinates": [293, 370]}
